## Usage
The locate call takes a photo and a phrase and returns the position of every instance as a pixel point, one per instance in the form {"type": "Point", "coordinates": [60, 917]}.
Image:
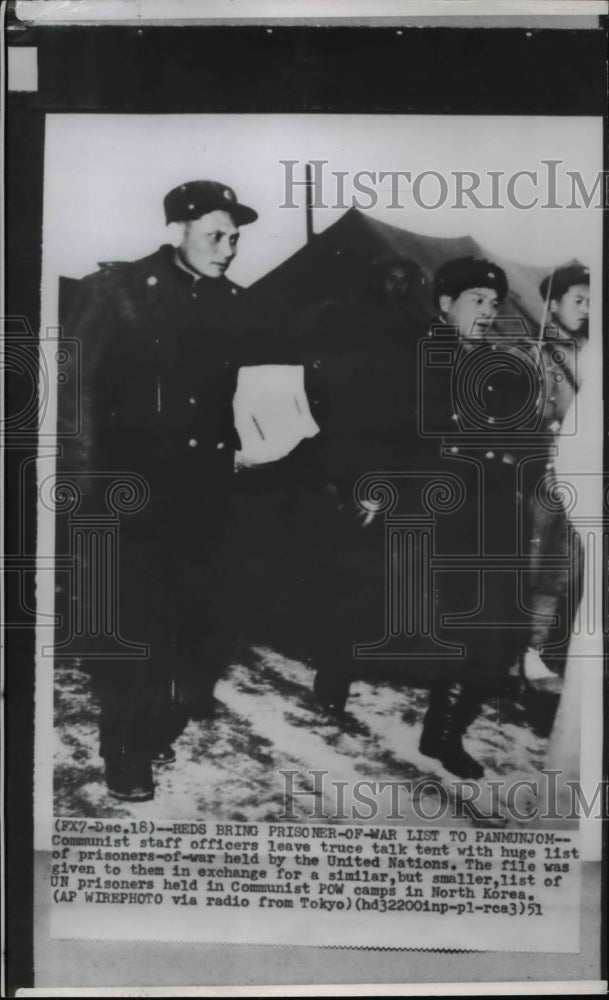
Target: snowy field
{"type": "Point", "coordinates": [266, 721]}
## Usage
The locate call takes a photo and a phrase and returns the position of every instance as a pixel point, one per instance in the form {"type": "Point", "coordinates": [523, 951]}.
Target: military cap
{"type": "Point", "coordinates": [196, 198]}
{"type": "Point", "coordinates": [562, 279]}
{"type": "Point", "coordinates": [457, 276]}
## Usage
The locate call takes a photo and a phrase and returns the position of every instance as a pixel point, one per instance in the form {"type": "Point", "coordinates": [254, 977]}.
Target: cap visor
{"type": "Point", "coordinates": [242, 214]}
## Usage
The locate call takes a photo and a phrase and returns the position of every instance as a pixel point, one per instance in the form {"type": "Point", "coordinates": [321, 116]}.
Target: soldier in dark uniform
{"type": "Point", "coordinates": [361, 366]}
{"type": "Point", "coordinates": [162, 340]}
{"type": "Point", "coordinates": [556, 594]}
{"type": "Point", "coordinates": [491, 397]}
{"type": "Point", "coordinates": [566, 292]}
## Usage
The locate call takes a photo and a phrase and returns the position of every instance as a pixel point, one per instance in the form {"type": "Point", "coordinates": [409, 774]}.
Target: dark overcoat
{"type": "Point", "coordinates": [484, 401]}
{"type": "Point", "coordinates": [557, 562]}
{"type": "Point", "coordinates": [458, 434]}
{"type": "Point", "coordinates": [160, 352]}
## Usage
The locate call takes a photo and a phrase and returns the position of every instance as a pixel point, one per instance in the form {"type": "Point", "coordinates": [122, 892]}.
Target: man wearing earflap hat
{"type": "Point", "coordinates": [566, 295]}
{"type": "Point", "coordinates": [467, 293]}
{"type": "Point", "coordinates": [162, 340]}
{"type": "Point", "coordinates": [485, 404]}
{"type": "Point", "coordinates": [556, 593]}
{"type": "Point", "coordinates": [567, 291]}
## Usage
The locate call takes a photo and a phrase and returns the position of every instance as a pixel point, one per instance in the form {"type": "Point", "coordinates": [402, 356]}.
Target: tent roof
{"type": "Point", "coordinates": [336, 262]}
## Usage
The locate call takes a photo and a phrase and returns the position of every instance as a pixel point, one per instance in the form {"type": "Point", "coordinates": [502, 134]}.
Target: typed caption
{"type": "Point", "coordinates": [359, 886]}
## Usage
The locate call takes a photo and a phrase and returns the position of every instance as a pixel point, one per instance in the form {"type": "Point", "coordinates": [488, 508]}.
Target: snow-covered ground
{"type": "Point", "coordinates": [267, 721]}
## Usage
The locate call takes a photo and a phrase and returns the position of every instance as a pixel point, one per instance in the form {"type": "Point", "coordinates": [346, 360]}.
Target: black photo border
{"type": "Point", "coordinates": [294, 68]}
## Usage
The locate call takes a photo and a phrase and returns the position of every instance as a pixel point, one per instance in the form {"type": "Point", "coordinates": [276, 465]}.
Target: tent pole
{"type": "Point", "coordinates": [546, 306]}
{"type": "Point", "coordinates": [309, 201]}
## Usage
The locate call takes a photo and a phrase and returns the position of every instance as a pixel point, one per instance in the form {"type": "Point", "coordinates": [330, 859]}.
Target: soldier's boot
{"type": "Point", "coordinates": [131, 700]}
{"type": "Point", "coordinates": [193, 688]}
{"type": "Point", "coordinates": [331, 690]}
{"type": "Point", "coordinates": [128, 774]}
{"type": "Point", "coordinates": [163, 754]}
{"type": "Point", "coordinates": [452, 707]}
{"type": "Point", "coordinates": [172, 719]}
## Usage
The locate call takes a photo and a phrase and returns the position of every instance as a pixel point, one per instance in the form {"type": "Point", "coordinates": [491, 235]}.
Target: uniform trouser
{"type": "Point", "coordinates": [452, 707]}
{"type": "Point", "coordinates": [491, 645]}
{"type": "Point", "coordinates": [173, 598]}
{"type": "Point", "coordinates": [556, 594]}
{"type": "Point", "coordinates": [338, 570]}
{"type": "Point", "coordinates": [135, 706]}
{"type": "Point", "coordinates": [485, 648]}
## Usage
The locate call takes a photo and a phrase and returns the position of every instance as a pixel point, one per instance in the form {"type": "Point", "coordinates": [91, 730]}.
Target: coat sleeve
{"type": "Point", "coordinates": [265, 337]}
{"type": "Point", "coordinates": [93, 326]}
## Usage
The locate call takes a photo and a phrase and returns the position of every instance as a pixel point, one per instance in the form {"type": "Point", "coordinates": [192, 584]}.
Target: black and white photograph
{"type": "Point", "coordinates": [317, 580]}
{"type": "Point", "coordinates": [327, 525]}
{"type": "Point", "coordinates": [343, 531]}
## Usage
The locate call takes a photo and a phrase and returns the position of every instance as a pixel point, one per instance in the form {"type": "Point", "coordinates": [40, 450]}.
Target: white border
{"type": "Point", "coordinates": [82, 11]}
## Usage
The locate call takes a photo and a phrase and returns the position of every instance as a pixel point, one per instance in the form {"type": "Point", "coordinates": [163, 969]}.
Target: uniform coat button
{"type": "Point", "coordinates": [192, 401]}
{"type": "Point", "coordinates": [220, 445]}
{"type": "Point", "coordinates": [193, 443]}
{"type": "Point", "coordinates": [490, 454]}
{"type": "Point", "coordinates": [454, 450]}
{"type": "Point", "coordinates": [152, 280]}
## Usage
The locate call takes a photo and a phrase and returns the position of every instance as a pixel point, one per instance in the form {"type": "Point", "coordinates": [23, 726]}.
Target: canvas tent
{"type": "Point", "coordinates": [334, 269]}
{"type": "Point", "coordinates": [335, 264]}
